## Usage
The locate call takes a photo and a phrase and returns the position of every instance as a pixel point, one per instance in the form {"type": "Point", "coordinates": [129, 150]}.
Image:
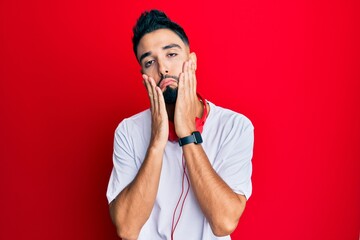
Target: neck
{"type": "Point", "coordinates": [170, 108]}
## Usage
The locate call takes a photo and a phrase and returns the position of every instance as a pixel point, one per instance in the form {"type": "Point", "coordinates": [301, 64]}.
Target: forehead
{"type": "Point", "coordinates": [157, 39]}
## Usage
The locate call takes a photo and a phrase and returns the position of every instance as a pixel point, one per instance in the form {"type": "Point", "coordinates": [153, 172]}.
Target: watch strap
{"type": "Point", "coordinates": [195, 137]}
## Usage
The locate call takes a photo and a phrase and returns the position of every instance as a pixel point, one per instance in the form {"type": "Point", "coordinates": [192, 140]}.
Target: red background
{"type": "Point", "coordinates": [68, 77]}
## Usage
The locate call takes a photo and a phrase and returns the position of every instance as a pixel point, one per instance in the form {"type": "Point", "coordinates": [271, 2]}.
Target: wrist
{"type": "Point", "coordinates": [185, 134]}
{"type": "Point", "coordinates": [193, 138]}
{"type": "Point", "coordinates": [185, 131]}
{"type": "Point", "coordinates": [156, 147]}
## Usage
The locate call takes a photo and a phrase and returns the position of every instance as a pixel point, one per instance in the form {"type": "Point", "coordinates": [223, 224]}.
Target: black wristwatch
{"type": "Point", "coordinates": [195, 137]}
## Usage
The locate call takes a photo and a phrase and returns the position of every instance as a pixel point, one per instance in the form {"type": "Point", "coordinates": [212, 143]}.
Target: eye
{"type": "Point", "coordinates": [172, 54]}
{"type": "Point", "coordinates": [149, 63]}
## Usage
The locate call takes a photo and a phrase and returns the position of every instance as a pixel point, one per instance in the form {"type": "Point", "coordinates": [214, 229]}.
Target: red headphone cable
{"type": "Point", "coordinates": [182, 205]}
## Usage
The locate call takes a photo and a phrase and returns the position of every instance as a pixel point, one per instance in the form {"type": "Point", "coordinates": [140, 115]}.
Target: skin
{"type": "Point", "coordinates": [132, 207]}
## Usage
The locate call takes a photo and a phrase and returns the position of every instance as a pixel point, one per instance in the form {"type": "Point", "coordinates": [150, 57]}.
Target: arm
{"type": "Point", "coordinates": [220, 204]}
{"type": "Point", "coordinates": [132, 207]}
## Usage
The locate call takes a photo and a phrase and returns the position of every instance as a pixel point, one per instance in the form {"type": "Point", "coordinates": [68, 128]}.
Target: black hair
{"type": "Point", "coordinates": [154, 20]}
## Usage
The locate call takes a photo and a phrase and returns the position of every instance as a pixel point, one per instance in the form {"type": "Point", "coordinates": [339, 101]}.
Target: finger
{"type": "Point", "coordinates": [161, 100]}
{"type": "Point", "coordinates": [154, 94]}
{"type": "Point", "coordinates": [194, 82]}
{"type": "Point", "coordinates": [148, 88]}
{"type": "Point", "coordinates": [181, 85]}
{"type": "Point", "coordinates": [147, 84]}
{"type": "Point", "coordinates": [144, 76]}
{"type": "Point", "coordinates": [184, 67]}
{"type": "Point", "coordinates": [190, 80]}
{"type": "Point", "coordinates": [186, 78]}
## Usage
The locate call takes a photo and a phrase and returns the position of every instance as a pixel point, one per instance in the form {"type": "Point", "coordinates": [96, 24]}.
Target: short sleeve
{"type": "Point", "coordinates": [124, 167]}
{"type": "Point", "coordinates": [236, 157]}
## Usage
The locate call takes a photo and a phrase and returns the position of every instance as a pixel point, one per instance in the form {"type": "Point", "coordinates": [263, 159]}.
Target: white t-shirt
{"type": "Point", "coordinates": [228, 139]}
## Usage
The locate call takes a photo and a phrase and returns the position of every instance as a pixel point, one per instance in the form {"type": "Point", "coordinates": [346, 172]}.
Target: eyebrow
{"type": "Point", "coordinates": [173, 45]}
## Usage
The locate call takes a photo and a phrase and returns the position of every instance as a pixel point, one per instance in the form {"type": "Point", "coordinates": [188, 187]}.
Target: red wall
{"type": "Point", "coordinates": [68, 77]}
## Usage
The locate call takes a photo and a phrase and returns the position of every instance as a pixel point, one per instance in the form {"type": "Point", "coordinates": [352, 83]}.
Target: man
{"type": "Point", "coordinates": [182, 169]}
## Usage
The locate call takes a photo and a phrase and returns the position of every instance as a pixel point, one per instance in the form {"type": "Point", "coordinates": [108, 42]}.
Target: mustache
{"type": "Point", "coordinates": [167, 76]}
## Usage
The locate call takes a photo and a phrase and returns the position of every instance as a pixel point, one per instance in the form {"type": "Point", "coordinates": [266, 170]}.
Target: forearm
{"type": "Point", "coordinates": [132, 207]}
{"type": "Point", "coordinates": [220, 205]}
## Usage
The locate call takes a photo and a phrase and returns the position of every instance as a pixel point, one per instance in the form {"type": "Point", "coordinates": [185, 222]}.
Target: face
{"type": "Point", "coordinates": [162, 54]}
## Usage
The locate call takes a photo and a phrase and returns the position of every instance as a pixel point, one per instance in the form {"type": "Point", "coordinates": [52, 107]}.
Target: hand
{"type": "Point", "coordinates": [159, 118]}
{"type": "Point", "coordinates": [185, 109]}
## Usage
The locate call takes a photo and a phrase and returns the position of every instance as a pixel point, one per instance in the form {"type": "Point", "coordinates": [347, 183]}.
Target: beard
{"type": "Point", "coordinates": [170, 95]}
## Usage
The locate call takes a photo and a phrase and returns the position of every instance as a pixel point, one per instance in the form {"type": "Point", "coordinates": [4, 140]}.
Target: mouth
{"type": "Point", "coordinates": [166, 82]}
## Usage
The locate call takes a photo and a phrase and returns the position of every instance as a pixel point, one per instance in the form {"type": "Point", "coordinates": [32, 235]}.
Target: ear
{"type": "Point", "coordinates": [193, 58]}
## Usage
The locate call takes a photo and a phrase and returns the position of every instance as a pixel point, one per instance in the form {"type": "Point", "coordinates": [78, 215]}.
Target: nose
{"type": "Point", "coordinates": [163, 68]}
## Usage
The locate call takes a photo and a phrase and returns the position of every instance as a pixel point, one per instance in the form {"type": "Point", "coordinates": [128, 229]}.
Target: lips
{"type": "Point", "coordinates": [166, 82]}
